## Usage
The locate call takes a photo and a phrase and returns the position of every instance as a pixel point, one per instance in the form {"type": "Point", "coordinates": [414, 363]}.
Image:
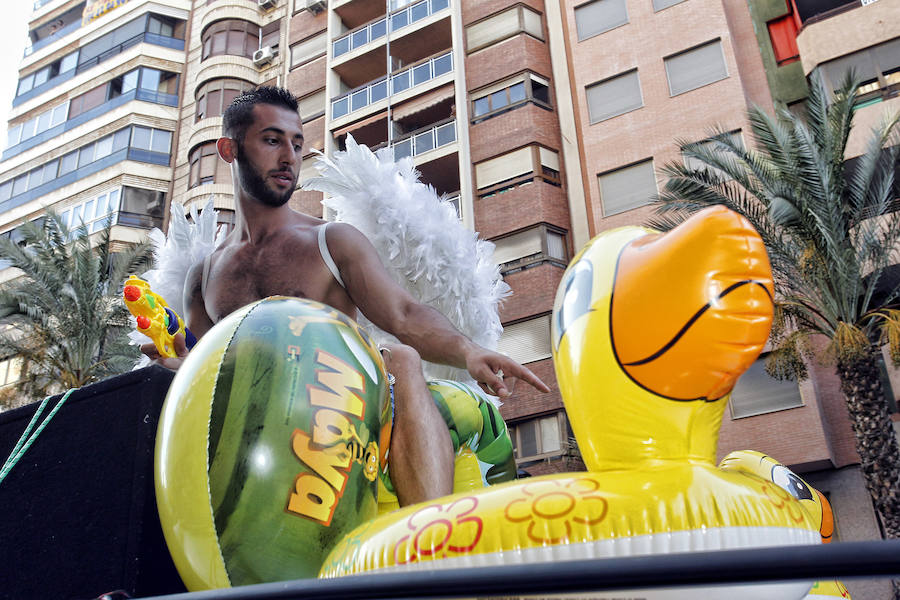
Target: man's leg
{"type": "Point", "coordinates": [421, 456]}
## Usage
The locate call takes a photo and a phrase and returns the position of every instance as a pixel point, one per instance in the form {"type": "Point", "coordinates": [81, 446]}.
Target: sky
{"type": "Point", "coordinates": [13, 32]}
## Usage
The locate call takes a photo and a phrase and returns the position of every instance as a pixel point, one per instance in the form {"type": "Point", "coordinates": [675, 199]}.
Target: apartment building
{"type": "Point", "coordinates": [92, 124]}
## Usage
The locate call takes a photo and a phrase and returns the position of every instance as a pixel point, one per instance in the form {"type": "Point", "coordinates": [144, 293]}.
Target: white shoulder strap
{"type": "Point", "coordinates": [326, 255]}
{"type": "Point", "coordinates": [205, 276]}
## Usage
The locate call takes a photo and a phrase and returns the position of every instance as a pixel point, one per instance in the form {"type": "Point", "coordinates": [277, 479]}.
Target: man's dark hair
{"type": "Point", "coordinates": [239, 114]}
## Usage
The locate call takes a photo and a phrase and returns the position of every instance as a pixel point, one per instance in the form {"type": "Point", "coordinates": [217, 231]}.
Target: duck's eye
{"type": "Point", "coordinates": [576, 299]}
{"type": "Point", "coordinates": [788, 480]}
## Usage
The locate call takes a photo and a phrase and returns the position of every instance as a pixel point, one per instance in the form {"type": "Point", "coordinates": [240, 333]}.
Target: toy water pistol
{"type": "Point", "coordinates": [154, 317]}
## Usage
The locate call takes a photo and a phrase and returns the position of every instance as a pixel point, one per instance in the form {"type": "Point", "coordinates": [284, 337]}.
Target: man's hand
{"type": "Point", "coordinates": [170, 363]}
{"type": "Point", "coordinates": [497, 374]}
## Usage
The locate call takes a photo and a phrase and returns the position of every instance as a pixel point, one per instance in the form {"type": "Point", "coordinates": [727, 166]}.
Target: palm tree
{"type": "Point", "coordinates": [64, 317]}
{"type": "Point", "coordinates": [831, 229]}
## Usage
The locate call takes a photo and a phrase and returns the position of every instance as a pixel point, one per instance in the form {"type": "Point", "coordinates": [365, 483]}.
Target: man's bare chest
{"type": "Point", "coordinates": [233, 284]}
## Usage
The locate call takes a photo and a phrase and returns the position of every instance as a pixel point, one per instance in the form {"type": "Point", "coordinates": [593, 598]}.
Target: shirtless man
{"type": "Point", "coordinates": [274, 250]}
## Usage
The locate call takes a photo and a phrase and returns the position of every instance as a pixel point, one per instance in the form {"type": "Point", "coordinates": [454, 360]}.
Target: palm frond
{"type": "Point", "coordinates": [69, 325]}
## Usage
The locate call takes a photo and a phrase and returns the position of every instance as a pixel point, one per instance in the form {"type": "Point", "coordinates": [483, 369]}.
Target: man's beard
{"type": "Point", "coordinates": [255, 185]}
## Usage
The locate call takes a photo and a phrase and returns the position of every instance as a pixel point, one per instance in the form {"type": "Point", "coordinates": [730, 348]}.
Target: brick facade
{"type": "Point", "coordinates": [538, 202]}
{"type": "Point", "coordinates": [533, 290]}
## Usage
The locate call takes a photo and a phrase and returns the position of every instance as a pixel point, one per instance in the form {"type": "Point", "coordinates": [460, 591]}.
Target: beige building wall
{"type": "Point", "coordinates": [847, 32]}
{"type": "Point", "coordinates": [127, 172]}
{"type": "Point", "coordinates": [651, 131]}
{"type": "Point", "coordinates": [197, 72]}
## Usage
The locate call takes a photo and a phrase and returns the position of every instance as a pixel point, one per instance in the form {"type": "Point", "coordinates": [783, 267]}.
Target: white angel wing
{"type": "Point", "coordinates": [419, 239]}
{"type": "Point", "coordinates": [186, 244]}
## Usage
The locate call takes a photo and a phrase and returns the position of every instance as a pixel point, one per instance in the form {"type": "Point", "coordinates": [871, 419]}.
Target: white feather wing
{"type": "Point", "coordinates": [187, 243]}
{"type": "Point", "coordinates": [420, 241]}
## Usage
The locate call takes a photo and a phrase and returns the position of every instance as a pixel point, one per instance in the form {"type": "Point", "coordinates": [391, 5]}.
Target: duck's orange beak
{"type": "Point", "coordinates": [692, 309]}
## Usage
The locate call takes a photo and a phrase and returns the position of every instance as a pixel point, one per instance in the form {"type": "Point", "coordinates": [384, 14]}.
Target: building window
{"type": "Point", "coordinates": [510, 94]}
{"type": "Point", "coordinates": [231, 36]}
{"type": "Point", "coordinates": [153, 140]}
{"type": "Point", "coordinates": [312, 106]}
{"type": "Point", "coordinates": [695, 68]}
{"type": "Point", "coordinates": [128, 206]}
{"type": "Point", "coordinates": [503, 25]}
{"type": "Point", "coordinates": [206, 167]}
{"type": "Point", "coordinates": [658, 5]}
{"type": "Point", "coordinates": [526, 341]}
{"type": "Point", "coordinates": [627, 188]}
{"type": "Point", "coordinates": [308, 49]}
{"type": "Point", "coordinates": [214, 96]}
{"type": "Point", "coordinates": [155, 144]}
{"type": "Point", "coordinates": [154, 80]}
{"type": "Point", "coordinates": [757, 393]}
{"type": "Point", "coordinates": [878, 67]}
{"type": "Point", "coordinates": [10, 371]}
{"type": "Point", "coordinates": [36, 125]}
{"type": "Point", "coordinates": [45, 74]}
{"type": "Point", "coordinates": [530, 248]}
{"type": "Point", "coordinates": [614, 96]}
{"type": "Point", "coordinates": [157, 26]}
{"type": "Point", "coordinates": [516, 168]}
{"type": "Point", "coordinates": [141, 208]}
{"type": "Point", "coordinates": [539, 438]}
{"type": "Point", "coordinates": [599, 16]}
{"type": "Point", "coordinates": [154, 83]}
{"type": "Point", "coordinates": [160, 25]}
{"type": "Point", "coordinates": [783, 34]}
{"type": "Point", "coordinates": [92, 213]}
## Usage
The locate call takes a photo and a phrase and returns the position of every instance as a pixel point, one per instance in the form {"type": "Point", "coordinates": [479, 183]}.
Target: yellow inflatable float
{"type": "Point", "coordinates": [813, 501]}
{"type": "Point", "coordinates": [649, 334]}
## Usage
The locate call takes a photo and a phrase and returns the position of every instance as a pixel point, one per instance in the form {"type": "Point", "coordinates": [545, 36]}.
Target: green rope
{"type": "Point", "coordinates": [28, 438]}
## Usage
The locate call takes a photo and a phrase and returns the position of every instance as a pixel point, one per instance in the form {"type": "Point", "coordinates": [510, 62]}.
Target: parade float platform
{"type": "Point", "coordinates": [78, 511]}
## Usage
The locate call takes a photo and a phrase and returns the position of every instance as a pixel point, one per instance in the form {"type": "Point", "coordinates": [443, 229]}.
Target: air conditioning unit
{"type": "Point", "coordinates": [266, 4]}
{"type": "Point", "coordinates": [264, 55]}
{"type": "Point", "coordinates": [316, 6]}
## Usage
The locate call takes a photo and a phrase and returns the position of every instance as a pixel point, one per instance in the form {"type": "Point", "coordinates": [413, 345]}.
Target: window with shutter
{"type": "Point", "coordinates": [627, 188]}
{"type": "Point", "coordinates": [614, 96]}
{"type": "Point", "coordinates": [696, 67]}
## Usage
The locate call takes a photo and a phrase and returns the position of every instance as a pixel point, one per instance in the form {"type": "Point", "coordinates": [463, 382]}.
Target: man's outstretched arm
{"type": "Point", "coordinates": [394, 310]}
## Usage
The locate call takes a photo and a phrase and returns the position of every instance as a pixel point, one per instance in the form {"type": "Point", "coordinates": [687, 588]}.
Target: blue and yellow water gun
{"type": "Point", "coordinates": [154, 317]}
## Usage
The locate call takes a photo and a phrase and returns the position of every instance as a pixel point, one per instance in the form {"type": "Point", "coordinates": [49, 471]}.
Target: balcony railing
{"type": "Point", "coordinates": [453, 198]}
{"type": "Point", "coordinates": [136, 94]}
{"type": "Point", "coordinates": [812, 11]}
{"type": "Point", "coordinates": [425, 139]}
{"type": "Point", "coordinates": [57, 35]}
{"type": "Point", "coordinates": [150, 38]}
{"type": "Point", "coordinates": [401, 80]}
{"type": "Point", "coordinates": [377, 29]}
{"type": "Point", "coordinates": [136, 154]}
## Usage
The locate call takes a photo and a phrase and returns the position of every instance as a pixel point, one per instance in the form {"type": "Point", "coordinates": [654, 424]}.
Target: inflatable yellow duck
{"type": "Point", "coordinates": [650, 332]}
{"type": "Point", "coordinates": [814, 501]}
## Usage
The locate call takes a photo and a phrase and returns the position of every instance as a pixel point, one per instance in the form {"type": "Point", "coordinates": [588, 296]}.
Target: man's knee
{"type": "Point", "coordinates": [401, 360]}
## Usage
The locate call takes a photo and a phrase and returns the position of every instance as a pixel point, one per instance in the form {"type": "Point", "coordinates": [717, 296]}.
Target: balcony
{"type": "Point", "coordinates": [135, 143]}
{"type": "Point", "coordinates": [400, 81]}
{"type": "Point", "coordinates": [58, 35]}
{"type": "Point", "coordinates": [811, 11]}
{"type": "Point", "coordinates": [144, 95]}
{"type": "Point", "coordinates": [150, 38]}
{"type": "Point", "coordinates": [424, 140]}
{"type": "Point", "coordinates": [378, 29]}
